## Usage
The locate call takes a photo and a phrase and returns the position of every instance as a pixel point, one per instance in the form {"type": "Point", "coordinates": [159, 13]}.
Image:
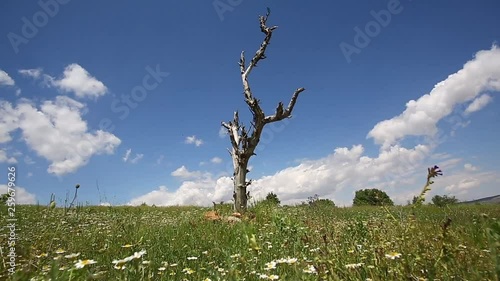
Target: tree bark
{"type": "Point", "coordinates": [245, 141]}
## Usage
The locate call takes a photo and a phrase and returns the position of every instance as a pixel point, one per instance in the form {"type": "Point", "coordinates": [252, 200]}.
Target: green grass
{"type": "Point", "coordinates": [292, 243]}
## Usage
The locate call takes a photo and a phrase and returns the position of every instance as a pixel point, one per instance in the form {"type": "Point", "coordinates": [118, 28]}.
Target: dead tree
{"type": "Point", "coordinates": [243, 140]}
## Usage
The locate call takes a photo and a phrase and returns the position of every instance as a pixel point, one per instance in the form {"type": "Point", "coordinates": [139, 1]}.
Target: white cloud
{"type": "Point", "coordinates": [33, 73]}
{"type": "Point", "coordinates": [106, 204]}
{"type": "Point", "coordinates": [421, 117]}
{"type": "Point", "coordinates": [75, 79]}
{"type": "Point", "coordinates": [193, 140]}
{"type": "Point", "coordinates": [22, 195]}
{"type": "Point", "coordinates": [5, 159]}
{"type": "Point", "coordinates": [201, 193]}
{"type": "Point", "coordinates": [478, 103]}
{"type": "Point", "coordinates": [400, 172]}
{"type": "Point", "coordinates": [29, 175]}
{"type": "Point", "coordinates": [56, 132]}
{"type": "Point", "coordinates": [183, 173]}
{"type": "Point", "coordinates": [127, 155]}
{"type": "Point", "coordinates": [216, 160]}
{"type": "Point", "coordinates": [137, 157]}
{"type": "Point", "coordinates": [5, 79]}
{"type": "Point", "coordinates": [345, 169]}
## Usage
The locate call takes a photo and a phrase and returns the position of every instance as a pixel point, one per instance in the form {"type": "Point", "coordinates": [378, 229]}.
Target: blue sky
{"type": "Point", "coordinates": [68, 70]}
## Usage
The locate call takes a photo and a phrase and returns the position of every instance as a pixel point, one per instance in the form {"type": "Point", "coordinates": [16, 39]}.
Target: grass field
{"type": "Point", "coordinates": [280, 243]}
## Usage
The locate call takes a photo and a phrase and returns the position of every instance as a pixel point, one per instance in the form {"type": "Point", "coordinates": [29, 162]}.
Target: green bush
{"type": "Point", "coordinates": [445, 200]}
{"type": "Point", "coordinates": [372, 197]}
{"type": "Point", "coordinates": [272, 198]}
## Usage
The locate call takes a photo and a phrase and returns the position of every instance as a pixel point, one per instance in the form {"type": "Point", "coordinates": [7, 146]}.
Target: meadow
{"type": "Point", "coordinates": [304, 242]}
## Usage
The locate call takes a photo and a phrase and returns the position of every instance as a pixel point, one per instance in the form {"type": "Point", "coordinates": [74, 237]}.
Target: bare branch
{"type": "Point", "coordinates": [242, 62]}
{"type": "Point", "coordinates": [230, 128]}
{"type": "Point", "coordinates": [282, 114]}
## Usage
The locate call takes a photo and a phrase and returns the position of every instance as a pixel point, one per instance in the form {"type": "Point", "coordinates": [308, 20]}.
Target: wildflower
{"type": "Point", "coordinates": [393, 255]}
{"type": "Point", "coordinates": [72, 256]}
{"type": "Point", "coordinates": [120, 262]}
{"type": "Point", "coordinates": [207, 279]}
{"type": "Point", "coordinates": [60, 251]}
{"type": "Point", "coordinates": [83, 263]}
{"type": "Point", "coordinates": [235, 256]}
{"type": "Point", "coordinates": [353, 265]}
{"type": "Point", "coordinates": [188, 270]}
{"type": "Point", "coordinates": [291, 260]}
{"type": "Point", "coordinates": [127, 246]}
{"type": "Point", "coordinates": [42, 255]}
{"type": "Point", "coordinates": [138, 255]}
{"type": "Point", "coordinates": [162, 268]}
{"type": "Point", "coordinates": [205, 252]}
{"type": "Point", "coordinates": [273, 277]}
{"type": "Point", "coordinates": [146, 262]}
{"type": "Point", "coordinates": [192, 258]}
{"type": "Point", "coordinates": [310, 269]}
{"type": "Point", "coordinates": [270, 265]}
{"type": "Point", "coordinates": [119, 266]}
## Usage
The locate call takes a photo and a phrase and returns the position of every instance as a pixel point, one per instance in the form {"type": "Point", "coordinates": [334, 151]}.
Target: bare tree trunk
{"type": "Point", "coordinates": [243, 141]}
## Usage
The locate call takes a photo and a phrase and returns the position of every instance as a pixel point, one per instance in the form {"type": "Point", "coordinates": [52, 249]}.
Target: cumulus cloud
{"type": "Point", "coordinates": [56, 132]}
{"type": "Point", "coordinates": [5, 79]}
{"type": "Point", "coordinates": [200, 193]}
{"type": "Point", "coordinates": [478, 103]}
{"type": "Point", "coordinates": [75, 79]}
{"type": "Point", "coordinates": [22, 195]}
{"type": "Point", "coordinates": [183, 173]}
{"type": "Point", "coordinates": [193, 140]}
{"type": "Point", "coordinates": [421, 116]}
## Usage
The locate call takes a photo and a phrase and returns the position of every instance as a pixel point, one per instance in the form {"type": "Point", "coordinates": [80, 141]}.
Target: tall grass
{"type": "Point", "coordinates": [285, 243]}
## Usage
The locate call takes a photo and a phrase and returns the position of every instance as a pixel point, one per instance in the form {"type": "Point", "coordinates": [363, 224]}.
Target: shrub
{"type": "Point", "coordinates": [372, 197]}
{"type": "Point", "coordinates": [272, 198]}
{"type": "Point", "coordinates": [445, 200]}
